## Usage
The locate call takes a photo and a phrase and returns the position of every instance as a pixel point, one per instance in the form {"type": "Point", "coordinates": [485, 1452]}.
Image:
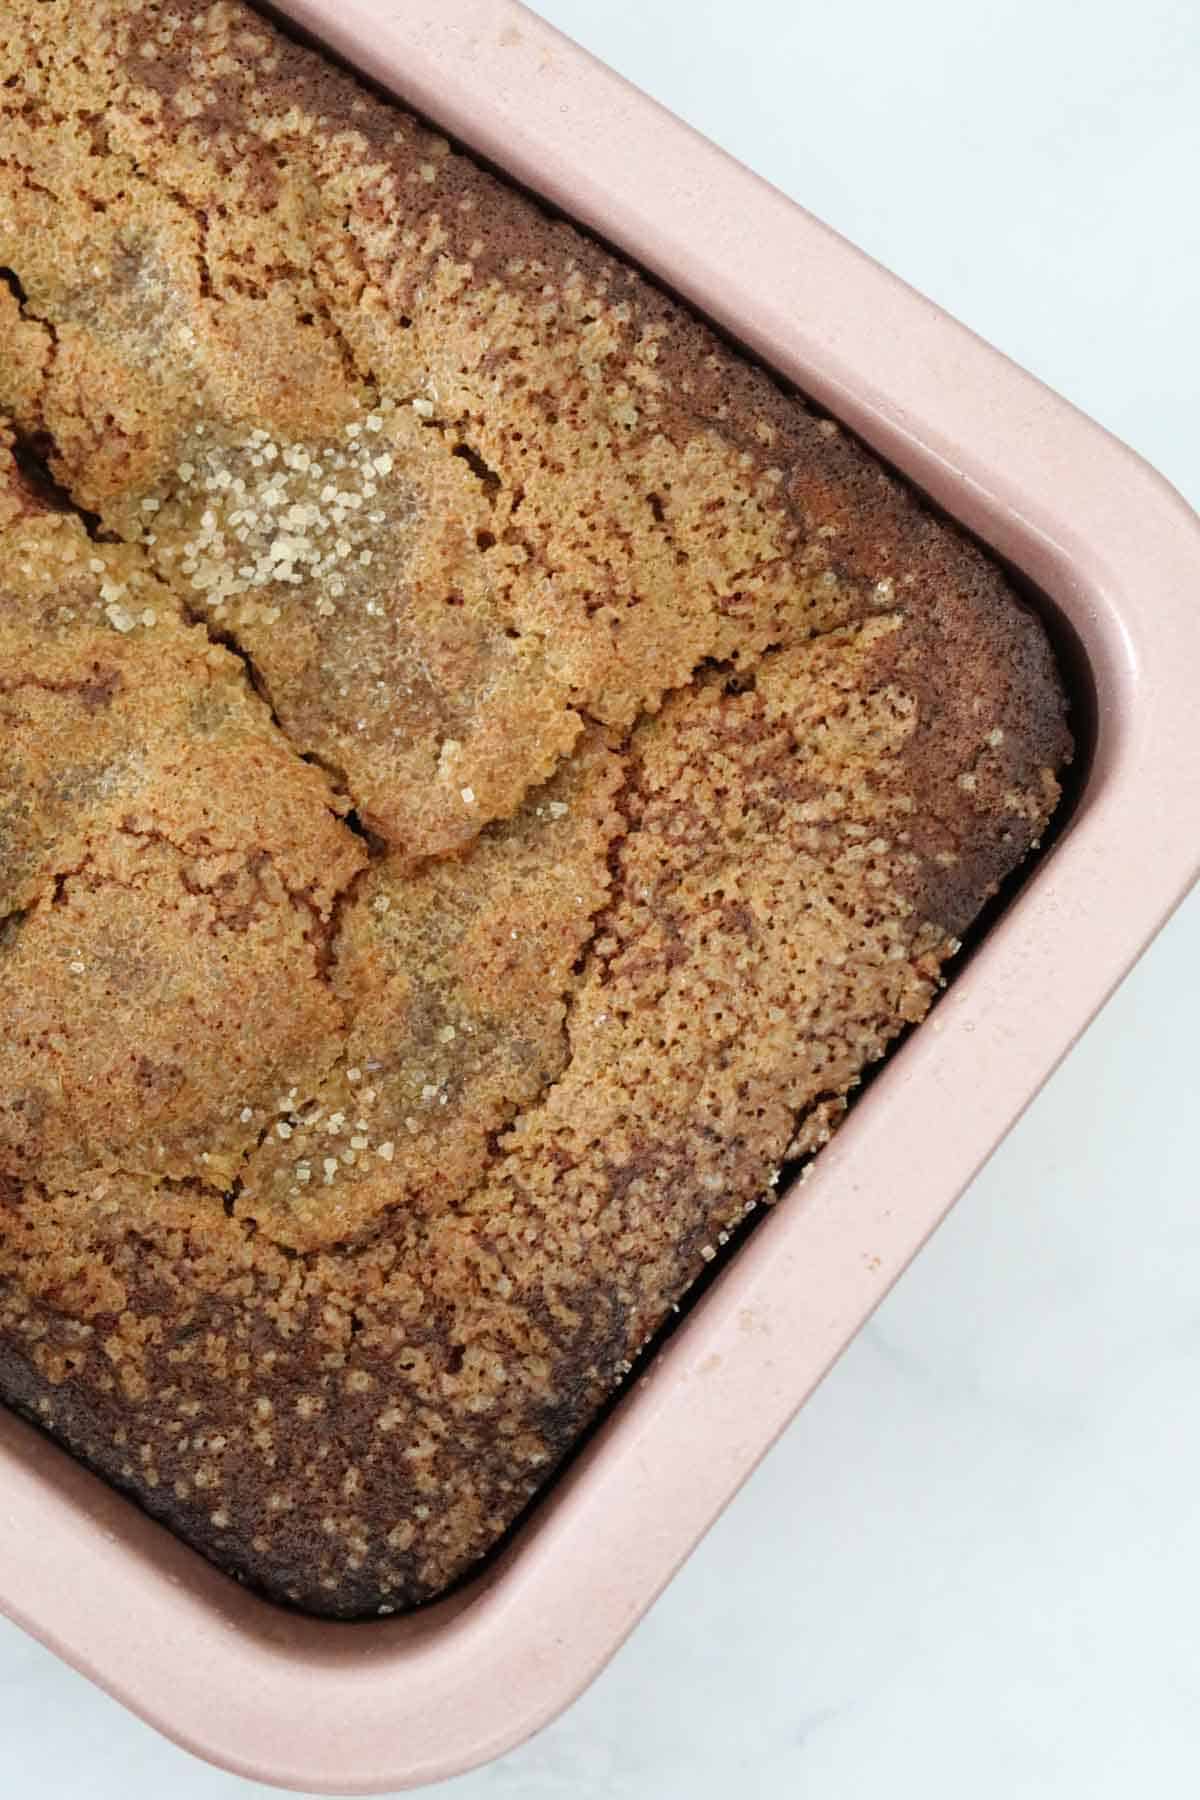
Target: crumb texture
{"type": "Point", "coordinates": [483, 772]}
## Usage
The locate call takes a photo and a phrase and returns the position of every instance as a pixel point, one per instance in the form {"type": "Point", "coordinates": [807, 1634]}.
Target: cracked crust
{"type": "Point", "coordinates": [169, 869]}
{"type": "Point", "coordinates": [456, 977]}
{"type": "Point", "coordinates": [682, 745]}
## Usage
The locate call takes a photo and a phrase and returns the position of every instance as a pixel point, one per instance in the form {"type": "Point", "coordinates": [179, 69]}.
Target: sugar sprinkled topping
{"type": "Point", "coordinates": [263, 515]}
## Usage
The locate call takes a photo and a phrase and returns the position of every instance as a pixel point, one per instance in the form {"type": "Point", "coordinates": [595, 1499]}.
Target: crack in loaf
{"type": "Point", "coordinates": [382, 1063]}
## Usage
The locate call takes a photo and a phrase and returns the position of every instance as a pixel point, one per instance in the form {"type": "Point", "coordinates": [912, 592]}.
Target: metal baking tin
{"type": "Point", "coordinates": [372, 1708]}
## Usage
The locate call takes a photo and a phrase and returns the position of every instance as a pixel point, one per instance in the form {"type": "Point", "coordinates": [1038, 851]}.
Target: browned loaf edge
{"type": "Point", "coordinates": [482, 773]}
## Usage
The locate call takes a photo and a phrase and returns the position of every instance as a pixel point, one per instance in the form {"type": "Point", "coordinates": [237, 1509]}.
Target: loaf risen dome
{"type": "Point", "coordinates": [482, 773]}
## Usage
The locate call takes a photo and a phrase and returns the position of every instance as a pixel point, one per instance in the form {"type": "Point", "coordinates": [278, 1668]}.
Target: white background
{"type": "Point", "coordinates": [971, 1568]}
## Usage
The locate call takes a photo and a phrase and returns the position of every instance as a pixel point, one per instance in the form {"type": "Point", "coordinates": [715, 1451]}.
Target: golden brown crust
{"type": "Point", "coordinates": [334, 1199]}
{"type": "Point", "coordinates": [169, 875]}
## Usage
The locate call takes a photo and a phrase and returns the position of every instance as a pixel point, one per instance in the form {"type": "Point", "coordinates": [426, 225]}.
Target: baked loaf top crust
{"type": "Point", "coordinates": [482, 772]}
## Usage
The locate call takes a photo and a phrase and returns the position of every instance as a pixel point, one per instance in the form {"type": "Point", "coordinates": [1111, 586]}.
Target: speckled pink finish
{"type": "Point", "coordinates": [362, 1709]}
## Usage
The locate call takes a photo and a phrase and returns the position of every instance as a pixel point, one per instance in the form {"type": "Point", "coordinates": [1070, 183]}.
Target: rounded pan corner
{"type": "Point", "coordinates": [354, 1709]}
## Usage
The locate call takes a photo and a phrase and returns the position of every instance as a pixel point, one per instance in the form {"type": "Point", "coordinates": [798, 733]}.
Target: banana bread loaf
{"type": "Point", "coordinates": [482, 773]}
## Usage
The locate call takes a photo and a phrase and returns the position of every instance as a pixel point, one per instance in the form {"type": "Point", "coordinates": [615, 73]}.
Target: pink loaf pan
{"type": "Point", "coordinates": [373, 1708]}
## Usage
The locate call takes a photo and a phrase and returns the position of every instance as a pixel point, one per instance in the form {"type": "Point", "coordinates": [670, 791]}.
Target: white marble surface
{"type": "Point", "coordinates": [970, 1568]}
